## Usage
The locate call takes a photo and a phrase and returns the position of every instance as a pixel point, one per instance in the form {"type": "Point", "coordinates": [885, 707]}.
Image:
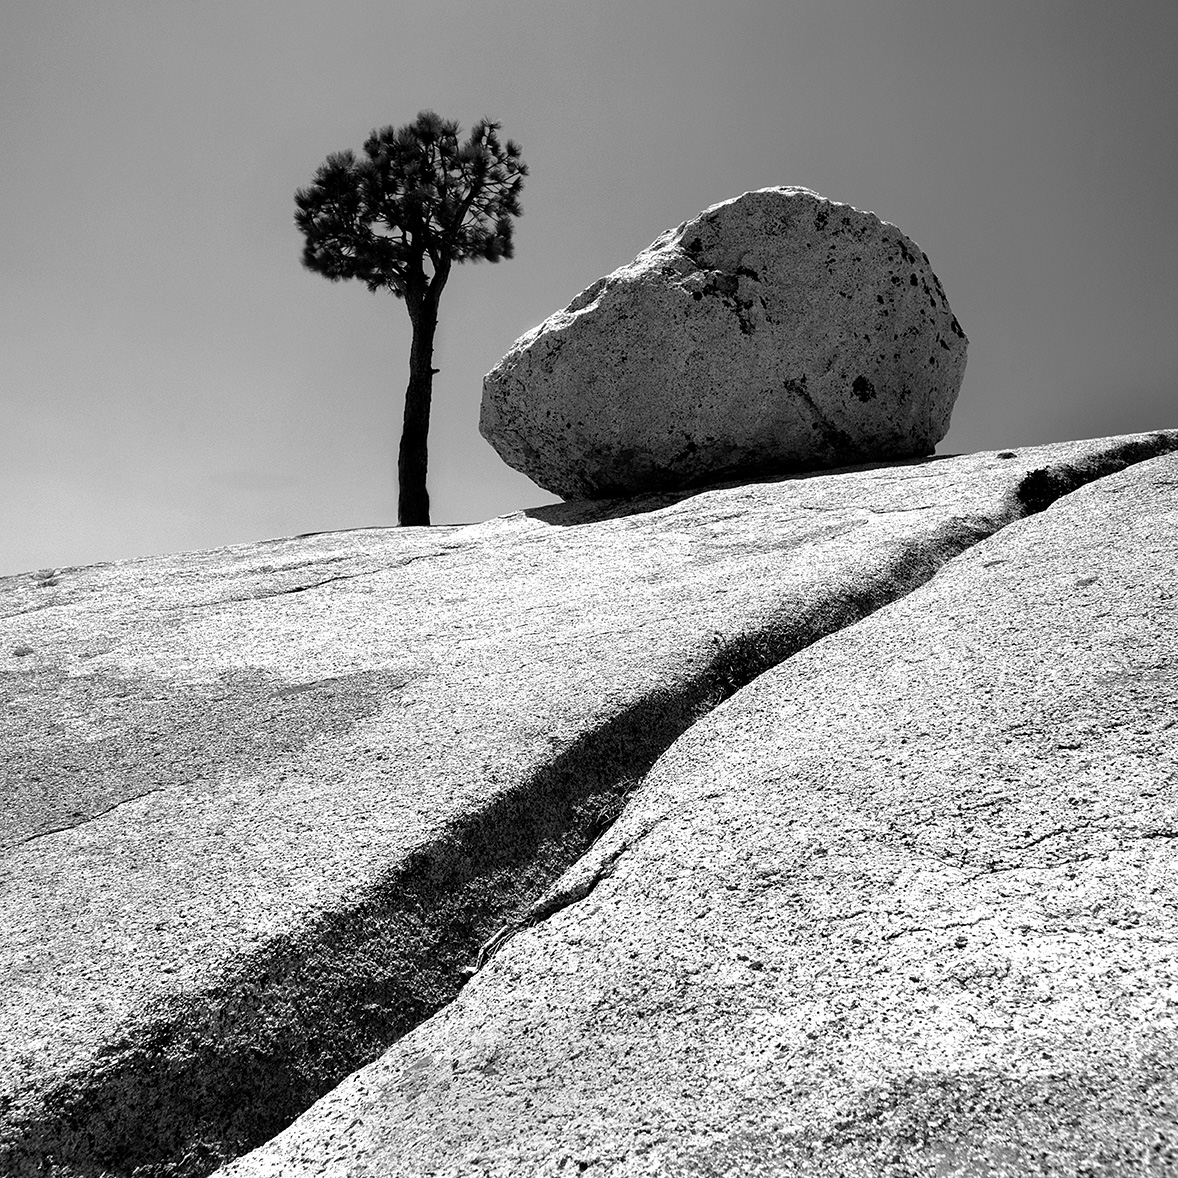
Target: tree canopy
{"type": "Point", "coordinates": [419, 195]}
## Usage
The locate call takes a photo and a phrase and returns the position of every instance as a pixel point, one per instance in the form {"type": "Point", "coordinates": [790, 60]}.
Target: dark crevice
{"type": "Point", "coordinates": [209, 1075]}
{"type": "Point", "coordinates": [1040, 488]}
{"type": "Point", "coordinates": [739, 662]}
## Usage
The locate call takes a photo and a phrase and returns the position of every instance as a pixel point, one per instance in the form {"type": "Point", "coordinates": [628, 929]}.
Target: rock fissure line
{"type": "Point", "coordinates": [292, 589]}
{"type": "Point", "coordinates": [34, 609]}
{"type": "Point", "coordinates": [308, 588]}
{"type": "Point", "coordinates": [81, 821]}
{"type": "Point", "coordinates": [1051, 834]}
{"type": "Point", "coordinates": [934, 928]}
{"type": "Point", "coordinates": [559, 899]}
{"type": "Point", "coordinates": [245, 597]}
{"type": "Point", "coordinates": [326, 581]}
{"type": "Point", "coordinates": [1000, 869]}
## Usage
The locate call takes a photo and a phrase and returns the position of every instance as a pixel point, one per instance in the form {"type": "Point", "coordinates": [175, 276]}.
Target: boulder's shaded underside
{"type": "Point", "coordinates": [908, 895]}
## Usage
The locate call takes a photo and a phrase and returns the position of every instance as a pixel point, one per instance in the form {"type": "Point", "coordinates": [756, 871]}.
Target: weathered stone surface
{"type": "Point", "coordinates": [907, 904]}
{"type": "Point", "coordinates": [262, 805]}
{"type": "Point", "coordinates": [776, 331]}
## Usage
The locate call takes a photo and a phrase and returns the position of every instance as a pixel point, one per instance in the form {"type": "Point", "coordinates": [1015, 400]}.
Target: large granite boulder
{"type": "Point", "coordinates": [263, 805]}
{"type": "Point", "coordinates": [776, 331]}
{"type": "Point", "coordinates": [906, 906]}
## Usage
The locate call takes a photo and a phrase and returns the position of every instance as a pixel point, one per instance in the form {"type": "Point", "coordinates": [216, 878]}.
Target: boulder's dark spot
{"type": "Point", "coordinates": [912, 280]}
{"type": "Point", "coordinates": [820, 219]}
{"type": "Point", "coordinates": [863, 389]}
{"type": "Point", "coordinates": [727, 287]}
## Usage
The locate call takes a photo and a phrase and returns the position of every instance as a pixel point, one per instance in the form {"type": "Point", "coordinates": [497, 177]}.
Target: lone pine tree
{"type": "Point", "coordinates": [398, 220]}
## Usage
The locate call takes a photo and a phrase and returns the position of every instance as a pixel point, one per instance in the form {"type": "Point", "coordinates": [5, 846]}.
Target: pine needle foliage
{"type": "Point", "coordinates": [398, 219]}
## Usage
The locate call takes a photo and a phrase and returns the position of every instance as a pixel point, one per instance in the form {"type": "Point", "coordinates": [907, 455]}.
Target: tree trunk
{"type": "Point", "coordinates": [413, 498]}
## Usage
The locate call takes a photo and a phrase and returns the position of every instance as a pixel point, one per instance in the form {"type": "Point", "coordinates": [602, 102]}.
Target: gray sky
{"type": "Point", "coordinates": [171, 378]}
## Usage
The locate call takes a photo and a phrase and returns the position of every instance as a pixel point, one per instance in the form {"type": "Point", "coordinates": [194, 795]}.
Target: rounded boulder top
{"type": "Point", "coordinates": [778, 331]}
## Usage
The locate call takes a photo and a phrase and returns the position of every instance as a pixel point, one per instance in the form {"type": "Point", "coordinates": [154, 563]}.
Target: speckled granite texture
{"type": "Point", "coordinates": [775, 331]}
{"type": "Point", "coordinates": [905, 905]}
{"type": "Point", "coordinates": [263, 805]}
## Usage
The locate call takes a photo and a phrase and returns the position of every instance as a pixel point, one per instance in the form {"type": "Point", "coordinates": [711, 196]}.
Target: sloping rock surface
{"type": "Point", "coordinates": [906, 905]}
{"type": "Point", "coordinates": [263, 805]}
{"type": "Point", "coordinates": [776, 331]}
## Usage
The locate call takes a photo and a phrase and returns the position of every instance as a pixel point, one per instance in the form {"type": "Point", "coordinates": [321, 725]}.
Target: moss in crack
{"type": "Point", "coordinates": [1041, 487]}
